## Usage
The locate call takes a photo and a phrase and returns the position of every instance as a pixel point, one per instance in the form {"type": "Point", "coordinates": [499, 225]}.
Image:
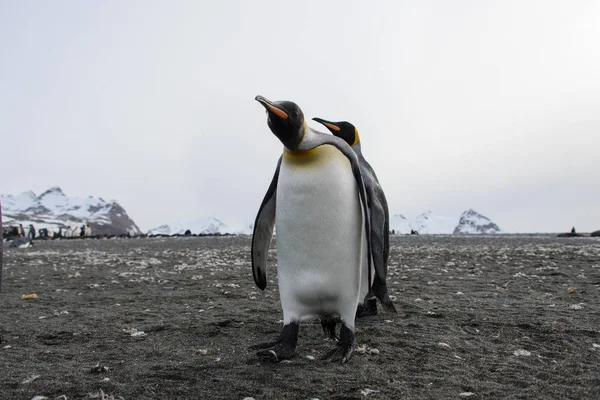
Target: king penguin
{"type": "Point", "coordinates": [380, 220]}
{"type": "Point", "coordinates": [317, 199]}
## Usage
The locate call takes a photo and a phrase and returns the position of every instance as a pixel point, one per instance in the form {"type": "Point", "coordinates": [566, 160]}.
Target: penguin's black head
{"type": "Point", "coordinates": [343, 129]}
{"type": "Point", "coordinates": [286, 121]}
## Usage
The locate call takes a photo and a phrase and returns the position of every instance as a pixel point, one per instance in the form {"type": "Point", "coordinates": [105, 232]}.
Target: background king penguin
{"type": "Point", "coordinates": [317, 198]}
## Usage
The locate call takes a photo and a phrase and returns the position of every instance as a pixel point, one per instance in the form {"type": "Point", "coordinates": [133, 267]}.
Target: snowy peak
{"type": "Point", "coordinates": [20, 202]}
{"type": "Point", "coordinates": [53, 191]}
{"type": "Point", "coordinates": [472, 222]}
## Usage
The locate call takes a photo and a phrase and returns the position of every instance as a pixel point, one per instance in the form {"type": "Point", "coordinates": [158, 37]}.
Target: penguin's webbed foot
{"type": "Point", "coordinates": [344, 349]}
{"type": "Point", "coordinates": [279, 352]}
{"type": "Point", "coordinates": [281, 349]}
{"type": "Point", "coordinates": [367, 309]}
{"type": "Point", "coordinates": [342, 353]}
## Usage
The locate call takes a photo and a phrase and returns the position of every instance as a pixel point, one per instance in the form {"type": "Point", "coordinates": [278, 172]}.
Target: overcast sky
{"type": "Point", "coordinates": [491, 105]}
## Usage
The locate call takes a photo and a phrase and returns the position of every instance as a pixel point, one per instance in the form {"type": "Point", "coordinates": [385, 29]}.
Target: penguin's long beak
{"type": "Point", "coordinates": [328, 124]}
{"type": "Point", "coordinates": [272, 108]}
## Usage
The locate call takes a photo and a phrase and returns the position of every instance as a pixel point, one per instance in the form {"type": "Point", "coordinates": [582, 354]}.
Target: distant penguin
{"type": "Point", "coordinates": [380, 219]}
{"type": "Point", "coordinates": [317, 199]}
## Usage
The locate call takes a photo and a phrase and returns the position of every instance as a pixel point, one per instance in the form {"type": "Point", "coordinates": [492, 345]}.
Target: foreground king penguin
{"type": "Point", "coordinates": [380, 219]}
{"type": "Point", "coordinates": [317, 198]}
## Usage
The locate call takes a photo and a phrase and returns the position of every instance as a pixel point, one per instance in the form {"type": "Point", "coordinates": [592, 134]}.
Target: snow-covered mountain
{"type": "Point", "coordinates": [53, 210]}
{"type": "Point", "coordinates": [473, 222]}
{"type": "Point", "coordinates": [469, 222]}
{"type": "Point", "coordinates": [206, 226]}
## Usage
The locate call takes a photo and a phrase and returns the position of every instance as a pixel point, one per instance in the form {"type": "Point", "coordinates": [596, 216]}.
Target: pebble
{"type": "Point", "coordinates": [367, 392]}
{"type": "Point", "coordinates": [310, 357]}
{"type": "Point", "coordinates": [522, 352]}
{"type": "Point", "coordinates": [30, 379]}
{"type": "Point", "coordinates": [373, 351]}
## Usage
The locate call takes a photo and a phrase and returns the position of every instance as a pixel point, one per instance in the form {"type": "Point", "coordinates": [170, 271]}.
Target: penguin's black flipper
{"type": "Point", "coordinates": [379, 243]}
{"type": "Point", "coordinates": [263, 232]}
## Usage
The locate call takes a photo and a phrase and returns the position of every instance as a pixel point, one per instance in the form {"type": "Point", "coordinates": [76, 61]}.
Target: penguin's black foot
{"type": "Point", "coordinates": [367, 309]}
{"type": "Point", "coordinates": [281, 349]}
{"type": "Point", "coordinates": [328, 324]}
{"type": "Point", "coordinates": [342, 354]}
{"type": "Point", "coordinates": [279, 352]}
{"type": "Point", "coordinates": [344, 349]}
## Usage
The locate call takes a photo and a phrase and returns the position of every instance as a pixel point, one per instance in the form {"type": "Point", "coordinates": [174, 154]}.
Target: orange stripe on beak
{"type": "Point", "coordinates": [280, 113]}
{"type": "Point", "coordinates": [331, 126]}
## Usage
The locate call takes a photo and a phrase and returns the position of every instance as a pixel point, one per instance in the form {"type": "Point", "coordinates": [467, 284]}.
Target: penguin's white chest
{"type": "Point", "coordinates": [319, 235]}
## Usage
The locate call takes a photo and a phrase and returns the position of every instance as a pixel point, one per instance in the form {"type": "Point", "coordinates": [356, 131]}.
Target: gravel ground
{"type": "Point", "coordinates": [479, 318]}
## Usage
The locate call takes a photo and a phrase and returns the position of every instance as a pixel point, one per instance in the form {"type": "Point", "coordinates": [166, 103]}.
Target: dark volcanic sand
{"type": "Point", "coordinates": [466, 305]}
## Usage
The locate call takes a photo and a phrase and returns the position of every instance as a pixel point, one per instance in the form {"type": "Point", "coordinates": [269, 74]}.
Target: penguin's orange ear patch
{"type": "Point", "coordinates": [356, 137]}
{"type": "Point", "coordinates": [280, 113]}
{"type": "Point", "coordinates": [331, 126]}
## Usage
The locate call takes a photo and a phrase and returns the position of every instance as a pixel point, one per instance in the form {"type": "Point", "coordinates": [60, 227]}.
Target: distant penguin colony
{"type": "Point", "coordinates": [319, 202]}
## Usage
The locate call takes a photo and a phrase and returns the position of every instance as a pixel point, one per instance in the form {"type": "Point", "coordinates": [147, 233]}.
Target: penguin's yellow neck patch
{"type": "Point", "coordinates": [300, 153]}
{"type": "Point", "coordinates": [303, 158]}
{"type": "Point", "coordinates": [356, 137]}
